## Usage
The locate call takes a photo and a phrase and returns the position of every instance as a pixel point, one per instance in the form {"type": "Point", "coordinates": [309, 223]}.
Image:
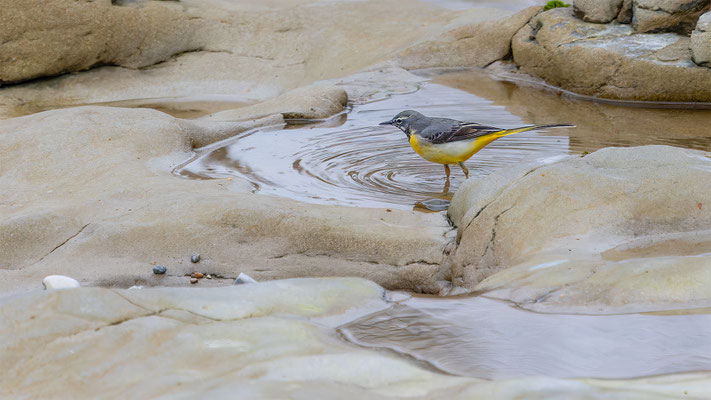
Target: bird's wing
{"type": "Point", "coordinates": [452, 132]}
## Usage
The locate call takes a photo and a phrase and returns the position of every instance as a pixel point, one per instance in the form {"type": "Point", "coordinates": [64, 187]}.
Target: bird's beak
{"type": "Point", "coordinates": [386, 123]}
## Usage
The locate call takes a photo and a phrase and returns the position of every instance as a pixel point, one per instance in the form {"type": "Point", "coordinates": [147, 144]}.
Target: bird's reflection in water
{"type": "Point", "coordinates": [439, 203]}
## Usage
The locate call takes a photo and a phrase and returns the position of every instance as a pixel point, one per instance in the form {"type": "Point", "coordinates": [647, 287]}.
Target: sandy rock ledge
{"type": "Point", "coordinates": [260, 341]}
{"type": "Point", "coordinates": [44, 38]}
{"type": "Point", "coordinates": [90, 194]}
{"type": "Point", "coordinates": [619, 229]}
{"type": "Point", "coordinates": [609, 61]}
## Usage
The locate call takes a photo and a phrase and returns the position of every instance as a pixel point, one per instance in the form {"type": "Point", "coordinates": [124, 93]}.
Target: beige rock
{"type": "Point", "coordinates": [668, 15]}
{"type": "Point", "coordinates": [95, 199]}
{"type": "Point", "coordinates": [625, 15]}
{"type": "Point", "coordinates": [246, 53]}
{"type": "Point", "coordinates": [701, 41]}
{"type": "Point", "coordinates": [598, 11]}
{"type": "Point", "coordinates": [639, 284]}
{"type": "Point", "coordinates": [476, 44]}
{"type": "Point", "coordinates": [585, 206]}
{"type": "Point", "coordinates": [99, 342]}
{"type": "Point", "coordinates": [310, 102]}
{"type": "Point", "coordinates": [262, 341]}
{"type": "Point", "coordinates": [44, 38]}
{"type": "Point", "coordinates": [566, 52]}
{"type": "Point", "coordinates": [203, 134]}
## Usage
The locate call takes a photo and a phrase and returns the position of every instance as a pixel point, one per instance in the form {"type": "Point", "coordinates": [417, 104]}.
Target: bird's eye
{"type": "Point", "coordinates": [399, 120]}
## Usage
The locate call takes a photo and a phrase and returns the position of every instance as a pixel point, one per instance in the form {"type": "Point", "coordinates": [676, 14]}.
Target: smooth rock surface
{"type": "Point", "coordinates": [586, 206]}
{"type": "Point", "coordinates": [598, 11]}
{"type": "Point", "coordinates": [604, 286]}
{"type": "Point", "coordinates": [701, 41]}
{"type": "Point", "coordinates": [90, 194]}
{"type": "Point", "coordinates": [261, 341]}
{"type": "Point", "coordinates": [246, 52]}
{"type": "Point", "coordinates": [43, 38]}
{"type": "Point", "coordinates": [566, 52]}
{"type": "Point", "coordinates": [205, 133]}
{"type": "Point", "coordinates": [476, 44]}
{"type": "Point", "coordinates": [310, 102]}
{"type": "Point", "coordinates": [668, 15]}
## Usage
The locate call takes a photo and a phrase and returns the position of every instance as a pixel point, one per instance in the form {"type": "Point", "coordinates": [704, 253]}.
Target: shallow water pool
{"type": "Point", "coordinates": [492, 339]}
{"type": "Point", "coordinates": [350, 160]}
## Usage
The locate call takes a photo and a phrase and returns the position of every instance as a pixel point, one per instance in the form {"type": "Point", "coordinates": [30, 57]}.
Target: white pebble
{"type": "Point", "coordinates": [59, 282]}
{"type": "Point", "coordinates": [244, 278]}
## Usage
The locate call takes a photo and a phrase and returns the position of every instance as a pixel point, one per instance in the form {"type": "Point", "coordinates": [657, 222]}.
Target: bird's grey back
{"type": "Point", "coordinates": [432, 127]}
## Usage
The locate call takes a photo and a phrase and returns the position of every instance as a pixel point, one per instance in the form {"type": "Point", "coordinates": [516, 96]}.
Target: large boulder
{"type": "Point", "coordinates": [701, 41]}
{"type": "Point", "coordinates": [475, 44]}
{"type": "Point", "coordinates": [572, 211]}
{"type": "Point", "coordinates": [41, 38]}
{"type": "Point", "coordinates": [599, 11]}
{"type": "Point", "coordinates": [609, 60]}
{"type": "Point", "coordinates": [240, 51]}
{"type": "Point", "coordinates": [668, 15]}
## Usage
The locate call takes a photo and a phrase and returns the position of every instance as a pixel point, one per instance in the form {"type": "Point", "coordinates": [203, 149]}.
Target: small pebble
{"type": "Point", "coordinates": [244, 278]}
{"type": "Point", "coordinates": [193, 280]}
{"type": "Point", "coordinates": [208, 276]}
{"type": "Point", "coordinates": [195, 258]}
{"type": "Point", "coordinates": [159, 270]}
{"type": "Point", "coordinates": [197, 275]}
{"type": "Point", "coordinates": [59, 282]}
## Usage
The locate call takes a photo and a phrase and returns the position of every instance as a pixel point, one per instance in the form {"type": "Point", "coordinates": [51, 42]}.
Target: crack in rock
{"type": "Point", "coordinates": [63, 243]}
{"type": "Point", "coordinates": [490, 245]}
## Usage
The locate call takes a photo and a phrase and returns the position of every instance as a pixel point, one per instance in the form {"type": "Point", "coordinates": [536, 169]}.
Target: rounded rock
{"type": "Point", "coordinates": [597, 11]}
{"type": "Point", "coordinates": [59, 282]}
{"type": "Point", "coordinates": [243, 278]}
{"type": "Point", "coordinates": [197, 275]}
{"type": "Point", "coordinates": [195, 258]}
{"type": "Point", "coordinates": [193, 280]}
{"type": "Point", "coordinates": [159, 270]}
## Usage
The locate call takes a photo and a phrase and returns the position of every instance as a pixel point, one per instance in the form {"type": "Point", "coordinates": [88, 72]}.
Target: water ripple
{"type": "Point", "coordinates": [359, 163]}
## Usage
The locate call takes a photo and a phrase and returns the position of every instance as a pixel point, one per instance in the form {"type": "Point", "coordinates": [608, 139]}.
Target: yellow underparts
{"type": "Point", "coordinates": [452, 152]}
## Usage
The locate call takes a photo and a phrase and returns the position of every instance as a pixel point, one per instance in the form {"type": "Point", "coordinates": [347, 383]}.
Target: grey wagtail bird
{"type": "Point", "coordinates": [448, 141]}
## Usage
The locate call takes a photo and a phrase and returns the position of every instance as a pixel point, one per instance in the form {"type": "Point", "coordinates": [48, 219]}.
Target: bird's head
{"type": "Point", "coordinates": [403, 119]}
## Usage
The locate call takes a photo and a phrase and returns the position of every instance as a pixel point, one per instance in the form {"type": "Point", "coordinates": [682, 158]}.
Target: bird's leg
{"type": "Point", "coordinates": [464, 168]}
{"type": "Point", "coordinates": [445, 190]}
